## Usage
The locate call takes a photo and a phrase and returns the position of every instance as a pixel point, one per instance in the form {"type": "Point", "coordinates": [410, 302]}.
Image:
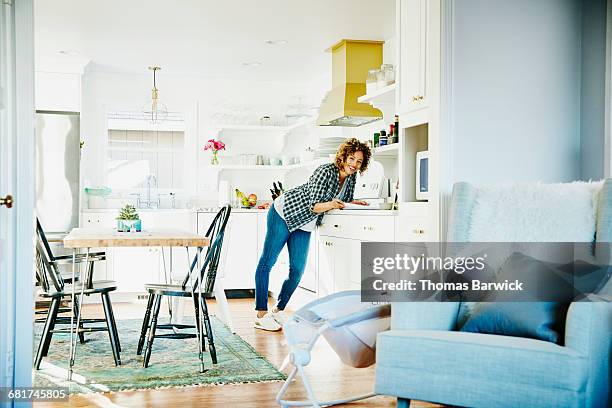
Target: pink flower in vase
{"type": "Point", "coordinates": [215, 146]}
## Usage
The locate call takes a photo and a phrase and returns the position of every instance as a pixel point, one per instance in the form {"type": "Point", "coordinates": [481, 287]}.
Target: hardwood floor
{"type": "Point", "coordinates": [329, 377]}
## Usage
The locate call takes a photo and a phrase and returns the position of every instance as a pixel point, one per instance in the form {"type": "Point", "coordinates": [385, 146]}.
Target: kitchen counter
{"type": "Point", "coordinates": [139, 210]}
{"type": "Point", "coordinates": [363, 212]}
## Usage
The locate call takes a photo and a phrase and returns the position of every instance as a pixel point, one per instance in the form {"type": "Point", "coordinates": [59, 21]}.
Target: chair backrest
{"type": "Point", "coordinates": [208, 270]}
{"type": "Point", "coordinates": [560, 212]}
{"type": "Point", "coordinates": [531, 212]}
{"type": "Point", "coordinates": [46, 270]}
{"type": "Point", "coordinates": [40, 234]}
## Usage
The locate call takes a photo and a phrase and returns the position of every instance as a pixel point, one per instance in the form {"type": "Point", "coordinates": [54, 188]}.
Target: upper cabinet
{"type": "Point", "coordinates": [413, 35]}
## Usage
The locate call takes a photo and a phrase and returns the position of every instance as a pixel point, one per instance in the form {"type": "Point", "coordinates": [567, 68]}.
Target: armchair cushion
{"type": "Point", "coordinates": [475, 370]}
{"type": "Point", "coordinates": [537, 320]}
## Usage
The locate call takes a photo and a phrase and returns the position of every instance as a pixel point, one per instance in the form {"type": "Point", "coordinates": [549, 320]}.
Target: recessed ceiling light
{"type": "Point", "coordinates": [252, 64]}
{"type": "Point", "coordinates": [70, 52]}
{"type": "Point", "coordinates": [276, 42]}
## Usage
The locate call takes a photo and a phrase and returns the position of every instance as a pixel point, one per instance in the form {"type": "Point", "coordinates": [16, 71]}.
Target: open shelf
{"type": "Point", "coordinates": [268, 167]}
{"type": "Point", "coordinates": [386, 151]}
{"type": "Point", "coordinates": [384, 95]}
{"type": "Point", "coordinates": [260, 128]}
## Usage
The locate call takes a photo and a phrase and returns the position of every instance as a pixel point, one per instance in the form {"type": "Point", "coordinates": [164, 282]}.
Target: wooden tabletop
{"type": "Point", "coordinates": [106, 237]}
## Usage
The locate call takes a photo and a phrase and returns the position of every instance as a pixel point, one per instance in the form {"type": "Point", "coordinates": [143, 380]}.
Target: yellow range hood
{"type": "Point", "coordinates": [351, 60]}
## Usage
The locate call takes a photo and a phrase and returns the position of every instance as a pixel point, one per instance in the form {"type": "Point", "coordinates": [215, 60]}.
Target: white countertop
{"type": "Point", "coordinates": [239, 210]}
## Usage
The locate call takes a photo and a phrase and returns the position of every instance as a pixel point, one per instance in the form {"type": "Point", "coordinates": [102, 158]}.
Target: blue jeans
{"type": "Point", "coordinates": [277, 235]}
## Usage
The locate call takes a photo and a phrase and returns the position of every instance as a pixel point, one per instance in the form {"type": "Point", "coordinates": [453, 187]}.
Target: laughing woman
{"type": "Point", "coordinates": [294, 215]}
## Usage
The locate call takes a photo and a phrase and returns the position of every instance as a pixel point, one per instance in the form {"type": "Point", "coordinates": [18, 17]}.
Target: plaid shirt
{"type": "Point", "coordinates": [321, 187]}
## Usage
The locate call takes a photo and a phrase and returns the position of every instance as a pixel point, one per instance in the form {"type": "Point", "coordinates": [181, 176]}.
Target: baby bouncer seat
{"type": "Point", "coordinates": [348, 325]}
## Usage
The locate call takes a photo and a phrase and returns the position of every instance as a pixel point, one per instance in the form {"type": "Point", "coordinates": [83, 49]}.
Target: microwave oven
{"type": "Point", "coordinates": [422, 175]}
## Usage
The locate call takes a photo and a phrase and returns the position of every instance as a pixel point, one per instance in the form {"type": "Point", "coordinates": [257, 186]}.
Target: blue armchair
{"type": "Point", "coordinates": [423, 357]}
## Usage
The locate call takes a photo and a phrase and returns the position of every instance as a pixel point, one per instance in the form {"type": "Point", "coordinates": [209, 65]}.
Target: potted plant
{"type": "Point", "coordinates": [128, 219]}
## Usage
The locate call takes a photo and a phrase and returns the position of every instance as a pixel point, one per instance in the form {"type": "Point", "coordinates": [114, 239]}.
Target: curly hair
{"type": "Point", "coordinates": [350, 146]}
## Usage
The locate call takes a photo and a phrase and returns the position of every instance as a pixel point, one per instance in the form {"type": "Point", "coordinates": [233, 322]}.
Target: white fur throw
{"type": "Point", "coordinates": [535, 212]}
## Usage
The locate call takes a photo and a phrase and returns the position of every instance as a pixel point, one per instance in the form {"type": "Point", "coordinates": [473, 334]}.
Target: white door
{"type": "Point", "coordinates": [16, 179]}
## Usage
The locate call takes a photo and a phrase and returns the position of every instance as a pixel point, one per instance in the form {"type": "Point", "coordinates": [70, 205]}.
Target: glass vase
{"type": "Point", "coordinates": [214, 160]}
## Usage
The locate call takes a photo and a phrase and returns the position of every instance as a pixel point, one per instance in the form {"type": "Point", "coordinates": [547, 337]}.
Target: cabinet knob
{"type": "Point", "coordinates": [419, 231]}
{"type": "Point", "coordinates": [336, 226]}
{"type": "Point", "coordinates": [421, 97]}
{"type": "Point", "coordinates": [415, 98]}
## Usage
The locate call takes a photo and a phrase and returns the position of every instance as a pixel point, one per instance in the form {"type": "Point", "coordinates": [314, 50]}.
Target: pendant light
{"type": "Point", "coordinates": [154, 110]}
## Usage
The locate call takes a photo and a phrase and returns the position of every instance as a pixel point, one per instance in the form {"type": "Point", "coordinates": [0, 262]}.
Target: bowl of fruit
{"type": "Point", "coordinates": [249, 201]}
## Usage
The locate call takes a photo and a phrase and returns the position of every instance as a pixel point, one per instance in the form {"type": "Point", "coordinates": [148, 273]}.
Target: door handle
{"type": "Point", "coordinates": [8, 201]}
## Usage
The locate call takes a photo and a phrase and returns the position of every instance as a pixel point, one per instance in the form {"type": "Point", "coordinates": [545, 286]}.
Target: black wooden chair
{"type": "Point", "coordinates": [56, 289]}
{"type": "Point", "coordinates": [198, 286]}
{"type": "Point", "coordinates": [43, 281]}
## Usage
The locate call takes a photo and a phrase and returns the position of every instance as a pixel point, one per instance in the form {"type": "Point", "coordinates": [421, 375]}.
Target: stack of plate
{"type": "Point", "coordinates": [328, 146]}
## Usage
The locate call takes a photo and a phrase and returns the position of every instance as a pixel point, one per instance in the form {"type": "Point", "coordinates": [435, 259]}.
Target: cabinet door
{"type": "Point", "coordinates": [241, 251]}
{"type": "Point", "coordinates": [134, 267]}
{"type": "Point", "coordinates": [325, 282]}
{"type": "Point", "coordinates": [309, 279]}
{"type": "Point", "coordinates": [412, 35]}
{"type": "Point", "coordinates": [347, 264]}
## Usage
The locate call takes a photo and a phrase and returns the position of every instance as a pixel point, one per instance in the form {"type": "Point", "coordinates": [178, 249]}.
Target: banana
{"type": "Point", "coordinates": [244, 200]}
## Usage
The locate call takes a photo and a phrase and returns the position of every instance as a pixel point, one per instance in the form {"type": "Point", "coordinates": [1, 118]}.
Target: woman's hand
{"type": "Point", "coordinates": [336, 204]}
{"type": "Point", "coordinates": [360, 202]}
{"type": "Point", "coordinates": [326, 206]}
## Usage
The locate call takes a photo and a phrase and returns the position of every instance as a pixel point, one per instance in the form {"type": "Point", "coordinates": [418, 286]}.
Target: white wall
{"type": "Point", "coordinates": [198, 99]}
{"type": "Point", "coordinates": [516, 90]}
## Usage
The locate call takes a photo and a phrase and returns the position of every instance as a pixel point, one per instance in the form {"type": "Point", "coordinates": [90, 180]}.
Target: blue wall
{"type": "Point", "coordinates": [517, 72]}
{"type": "Point", "coordinates": [592, 110]}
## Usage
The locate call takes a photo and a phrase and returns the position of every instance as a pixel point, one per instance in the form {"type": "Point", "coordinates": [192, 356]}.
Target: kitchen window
{"type": "Point", "coordinates": [134, 155]}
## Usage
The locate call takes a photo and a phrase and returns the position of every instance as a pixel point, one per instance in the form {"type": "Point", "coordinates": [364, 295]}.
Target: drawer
{"type": "Point", "coordinates": [359, 227]}
{"type": "Point", "coordinates": [99, 219]}
{"type": "Point", "coordinates": [411, 229]}
{"type": "Point", "coordinates": [335, 225]}
{"type": "Point", "coordinates": [372, 228]}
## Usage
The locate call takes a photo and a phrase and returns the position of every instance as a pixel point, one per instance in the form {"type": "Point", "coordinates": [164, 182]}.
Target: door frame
{"type": "Point", "coordinates": [17, 281]}
{"type": "Point", "coordinates": [608, 95]}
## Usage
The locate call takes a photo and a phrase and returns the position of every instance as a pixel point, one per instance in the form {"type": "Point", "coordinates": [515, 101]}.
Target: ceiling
{"type": "Point", "coordinates": [209, 38]}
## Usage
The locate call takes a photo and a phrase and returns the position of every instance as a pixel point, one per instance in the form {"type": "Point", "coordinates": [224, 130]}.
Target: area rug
{"type": "Point", "coordinates": [173, 362]}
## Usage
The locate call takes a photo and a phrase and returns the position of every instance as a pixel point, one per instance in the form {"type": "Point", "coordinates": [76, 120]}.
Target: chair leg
{"type": "Point", "coordinates": [145, 325]}
{"type": "Point", "coordinates": [112, 316]}
{"type": "Point", "coordinates": [45, 338]}
{"type": "Point", "coordinates": [197, 320]}
{"type": "Point", "coordinates": [209, 332]}
{"type": "Point", "coordinates": [76, 312]}
{"type": "Point", "coordinates": [149, 348]}
{"type": "Point", "coordinates": [110, 325]}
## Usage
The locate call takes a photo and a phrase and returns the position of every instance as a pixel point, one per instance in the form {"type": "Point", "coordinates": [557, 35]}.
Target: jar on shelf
{"type": "Point", "coordinates": [371, 81]}
{"type": "Point", "coordinates": [388, 74]}
{"type": "Point", "coordinates": [383, 140]}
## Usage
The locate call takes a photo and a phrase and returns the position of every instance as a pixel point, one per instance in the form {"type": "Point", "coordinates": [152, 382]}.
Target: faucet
{"type": "Point", "coordinates": [151, 182]}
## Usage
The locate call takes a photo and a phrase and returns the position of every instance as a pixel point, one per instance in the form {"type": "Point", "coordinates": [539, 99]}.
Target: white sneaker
{"type": "Point", "coordinates": [281, 317]}
{"type": "Point", "coordinates": [267, 322]}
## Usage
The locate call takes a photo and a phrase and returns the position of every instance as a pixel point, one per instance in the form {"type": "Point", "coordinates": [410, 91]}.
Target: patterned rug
{"type": "Point", "coordinates": [173, 362]}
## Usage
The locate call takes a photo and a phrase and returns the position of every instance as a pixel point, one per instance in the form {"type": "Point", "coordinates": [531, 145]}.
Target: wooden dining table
{"type": "Point", "coordinates": [87, 238]}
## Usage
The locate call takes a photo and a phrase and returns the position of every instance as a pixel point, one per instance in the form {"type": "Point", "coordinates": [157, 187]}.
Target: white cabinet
{"type": "Point", "coordinates": [412, 34]}
{"type": "Point", "coordinates": [135, 267]}
{"type": "Point", "coordinates": [325, 267]}
{"type": "Point", "coordinates": [241, 241]}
